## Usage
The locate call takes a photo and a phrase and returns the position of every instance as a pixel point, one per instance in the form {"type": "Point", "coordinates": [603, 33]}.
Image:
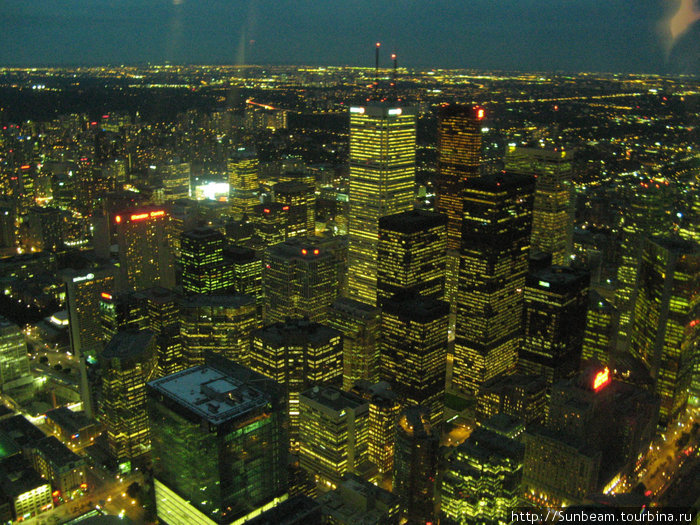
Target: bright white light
{"type": "Point", "coordinates": [213, 190]}
{"type": "Point", "coordinates": [394, 111]}
{"type": "Point", "coordinates": [356, 109]}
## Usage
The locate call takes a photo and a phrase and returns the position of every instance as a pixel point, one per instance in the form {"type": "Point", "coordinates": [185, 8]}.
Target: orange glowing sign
{"type": "Point", "coordinates": [266, 210]}
{"type": "Point", "coordinates": [105, 295]}
{"type": "Point", "coordinates": [118, 219]}
{"type": "Point", "coordinates": [25, 166]}
{"type": "Point", "coordinates": [285, 208]}
{"type": "Point", "coordinates": [303, 251]}
{"type": "Point", "coordinates": [158, 213]}
{"type": "Point", "coordinates": [479, 113]}
{"type": "Point", "coordinates": [601, 379]}
{"type": "Point", "coordinates": [139, 216]}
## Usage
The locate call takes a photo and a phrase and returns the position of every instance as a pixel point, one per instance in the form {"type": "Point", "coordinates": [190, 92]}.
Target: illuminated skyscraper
{"type": "Point", "coordinates": [359, 323]}
{"type": "Point", "coordinates": [552, 215]}
{"type": "Point", "coordinates": [243, 182]}
{"type": "Point", "coordinates": [644, 215]}
{"type": "Point", "coordinates": [300, 279]}
{"type": "Point", "coordinates": [300, 199]}
{"type": "Point", "coordinates": [176, 180]}
{"type": "Point", "coordinates": [666, 326]}
{"type": "Point", "coordinates": [204, 270]}
{"type": "Point", "coordinates": [556, 300]}
{"type": "Point", "coordinates": [411, 254]}
{"type": "Point", "coordinates": [493, 264]}
{"type": "Point", "coordinates": [298, 354]}
{"type": "Point", "coordinates": [161, 307]}
{"type": "Point", "coordinates": [459, 156]}
{"type": "Point", "coordinates": [482, 482]}
{"type": "Point", "coordinates": [333, 435]}
{"type": "Point", "coordinates": [599, 337]}
{"type": "Point", "coordinates": [145, 256]}
{"type": "Point", "coordinates": [414, 352]}
{"type": "Point", "coordinates": [15, 376]}
{"type": "Point", "coordinates": [220, 324]}
{"type": "Point", "coordinates": [219, 444]}
{"type": "Point", "coordinates": [247, 272]}
{"type": "Point", "coordinates": [270, 221]}
{"type": "Point", "coordinates": [122, 311]}
{"type": "Point", "coordinates": [517, 395]}
{"type": "Point", "coordinates": [127, 363]}
{"type": "Point", "coordinates": [382, 178]}
{"type": "Point", "coordinates": [415, 466]}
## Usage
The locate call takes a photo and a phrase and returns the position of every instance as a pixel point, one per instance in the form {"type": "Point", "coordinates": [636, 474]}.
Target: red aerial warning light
{"type": "Point", "coordinates": [393, 56]}
{"type": "Point", "coordinates": [601, 379]}
{"type": "Point", "coordinates": [267, 210]}
{"type": "Point", "coordinates": [303, 251]}
{"type": "Point", "coordinates": [316, 252]}
{"type": "Point", "coordinates": [285, 208]}
{"type": "Point", "coordinates": [379, 44]}
{"type": "Point", "coordinates": [118, 219]}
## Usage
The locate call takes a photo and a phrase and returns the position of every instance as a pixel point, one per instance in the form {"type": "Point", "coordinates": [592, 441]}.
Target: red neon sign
{"type": "Point", "coordinates": [601, 379]}
{"type": "Point", "coordinates": [105, 295]}
{"type": "Point", "coordinates": [479, 113]}
{"type": "Point", "coordinates": [266, 210]}
{"type": "Point", "coordinates": [158, 213]}
{"type": "Point", "coordinates": [25, 166]}
{"type": "Point", "coordinates": [285, 208]}
{"type": "Point", "coordinates": [139, 216]}
{"type": "Point", "coordinates": [118, 219]}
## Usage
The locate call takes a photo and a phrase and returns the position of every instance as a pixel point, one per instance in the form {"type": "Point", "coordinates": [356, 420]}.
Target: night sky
{"type": "Point", "coordinates": [549, 35]}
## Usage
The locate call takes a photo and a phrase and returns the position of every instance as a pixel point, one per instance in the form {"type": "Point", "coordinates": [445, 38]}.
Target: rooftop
{"type": "Point", "coordinates": [56, 452]}
{"type": "Point", "coordinates": [333, 398]}
{"type": "Point", "coordinates": [68, 420]}
{"type": "Point", "coordinates": [231, 301]}
{"type": "Point", "coordinates": [125, 345]}
{"type": "Point", "coordinates": [412, 221]}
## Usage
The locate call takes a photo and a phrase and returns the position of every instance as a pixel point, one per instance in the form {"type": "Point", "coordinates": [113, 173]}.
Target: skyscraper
{"type": "Point", "coordinates": [15, 376]}
{"type": "Point", "coordinates": [382, 173]}
{"type": "Point", "coordinates": [243, 182]}
{"type": "Point", "coordinates": [204, 270]}
{"type": "Point", "coordinates": [599, 337]}
{"type": "Point", "coordinates": [556, 300]}
{"type": "Point", "coordinates": [459, 156]}
{"type": "Point", "coordinates": [411, 254]}
{"type": "Point", "coordinates": [333, 435]}
{"type": "Point", "coordinates": [47, 229]}
{"type": "Point", "coordinates": [414, 352]}
{"type": "Point", "coordinates": [122, 311]}
{"type": "Point", "coordinates": [300, 279]}
{"type": "Point", "coordinates": [299, 197]}
{"type": "Point", "coordinates": [482, 482]}
{"type": "Point", "coordinates": [298, 354]}
{"type": "Point", "coordinates": [175, 176]}
{"type": "Point", "coordinates": [666, 329]}
{"type": "Point", "coordinates": [415, 466]}
{"type": "Point", "coordinates": [359, 323]}
{"type": "Point", "coordinates": [552, 215]}
{"type": "Point", "coordinates": [145, 255]}
{"type": "Point", "coordinates": [493, 264]}
{"type": "Point", "coordinates": [220, 324]}
{"type": "Point", "coordinates": [128, 362]}
{"type": "Point", "coordinates": [219, 444]}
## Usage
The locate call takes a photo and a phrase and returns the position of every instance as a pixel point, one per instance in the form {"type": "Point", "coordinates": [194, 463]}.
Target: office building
{"type": "Point", "coordinates": [459, 157]}
{"type": "Point", "coordinates": [128, 362]}
{"type": "Point", "coordinates": [518, 395]}
{"type": "Point", "coordinates": [270, 221]}
{"type": "Point", "coordinates": [298, 354]}
{"type": "Point", "coordinates": [601, 323]}
{"type": "Point", "coordinates": [46, 229]}
{"type": "Point", "coordinates": [122, 311]}
{"type": "Point", "coordinates": [175, 176]}
{"type": "Point", "coordinates": [145, 254]}
{"type": "Point", "coordinates": [356, 500]}
{"type": "Point", "coordinates": [243, 182]}
{"type": "Point", "coordinates": [359, 323]}
{"type": "Point", "coordinates": [25, 492]}
{"type": "Point", "coordinates": [666, 312]}
{"type": "Point", "coordinates": [556, 301]}
{"type": "Point", "coordinates": [297, 510]}
{"type": "Point", "coordinates": [204, 270]}
{"type": "Point", "coordinates": [15, 377]}
{"type": "Point", "coordinates": [300, 279]}
{"type": "Point", "coordinates": [219, 444]}
{"type": "Point", "coordinates": [414, 352]}
{"type": "Point", "coordinates": [73, 428]}
{"type": "Point", "coordinates": [66, 470]}
{"type": "Point", "coordinates": [247, 272]}
{"type": "Point", "coordinates": [220, 324]}
{"type": "Point", "coordinates": [415, 466]}
{"type": "Point", "coordinates": [411, 255]}
{"type": "Point", "coordinates": [333, 435]}
{"type": "Point", "coordinates": [300, 199]}
{"type": "Point", "coordinates": [552, 214]}
{"type": "Point", "coordinates": [483, 478]}
{"type": "Point", "coordinates": [493, 265]}
{"type": "Point", "coordinates": [382, 178]}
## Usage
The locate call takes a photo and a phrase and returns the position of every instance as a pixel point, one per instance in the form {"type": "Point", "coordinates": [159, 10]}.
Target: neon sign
{"type": "Point", "coordinates": [601, 379]}
{"type": "Point", "coordinates": [105, 295]}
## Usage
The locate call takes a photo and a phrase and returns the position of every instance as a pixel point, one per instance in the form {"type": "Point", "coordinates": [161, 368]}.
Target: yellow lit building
{"type": "Point", "coordinates": [243, 182]}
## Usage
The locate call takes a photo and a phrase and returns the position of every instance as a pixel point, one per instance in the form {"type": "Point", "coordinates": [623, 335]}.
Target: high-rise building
{"type": "Point", "coordinates": [128, 362]}
{"type": "Point", "coordinates": [333, 435]}
{"type": "Point", "coordinates": [599, 337]}
{"type": "Point", "coordinates": [122, 311]}
{"type": "Point", "coordinates": [493, 265]}
{"type": "Point", "coordinates": [459, 156]}
{"type": "Point", "coordinates": [415, 466]}
{"type": "Point", "coordinates": [204, 270]}
{"type": "Point", "coordinates": [482, 482]}
{"type": "Point", "coordinates": [300, 279]}
{"type": "Point", "coordinates": [300, 200]}
{"type": "Point", "coordinates": [556, 300]}
{"type": "Point", "coordinates": [243, 182]}
{"type": "Point", "coordinates": [145, 255]}
{"type": "Point", "coordinates": [645, 214]}
{"type": "Point", "coordinates": [411, 254]}
{"type": "Point", "coordinates": [15, 376]}
{"type": "Point", "coordinates": [219, 444]}
{"type": "Point", "coordinates": [176, 180]}
{"type": "Point", "coordinates": [382, 178]}
{"type": "Point", "coordinates": [359, 323]}
{"type": "Point", "coordinates": [298, 354]}
{"type": "Point", "coordinates": [414, 352]}
{"type": "Point", "coordinates": [517, 395]}
{"type": "Point", "coordinates": [666, 329]}
{"type": "Point", "coordinates": [552, 214]}
{"type": "Point", "coordinates": [247, 272]}
{"type": "Point", "coordinates": [270, 220]}
{"type": "Point", "coordinates": [47, 229]}
{"type": "Point", "coordinates": [221, 324]}
{"type": "Point", "coordinates": [384, 410]}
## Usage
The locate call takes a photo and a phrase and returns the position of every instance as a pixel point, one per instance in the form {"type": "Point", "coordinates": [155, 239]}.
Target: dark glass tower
{"type": "Point", "coordinates": [203, 266]}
